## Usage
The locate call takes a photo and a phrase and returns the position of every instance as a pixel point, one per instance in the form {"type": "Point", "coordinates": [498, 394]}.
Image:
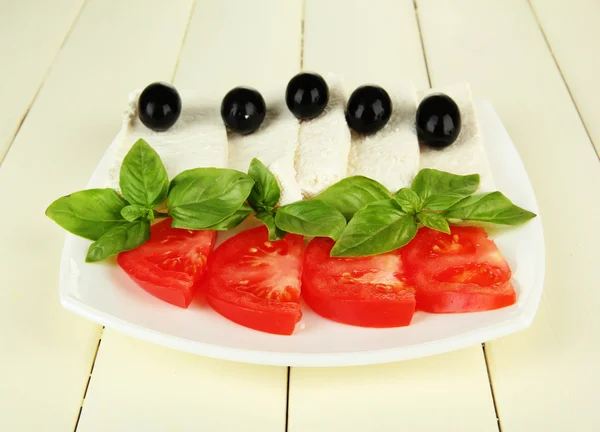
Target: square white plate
{"type": "Point", "coordinates": [104, 294]}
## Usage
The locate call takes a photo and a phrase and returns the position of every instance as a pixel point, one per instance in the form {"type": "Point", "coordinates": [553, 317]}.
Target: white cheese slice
{"type": "Point", "coordinates": [324, 144]}
{"type": "Point", "coordinates": [198, 139]}
{"type": "Point", "coordinates": [467, 154]}
{"type": "Point", "coordinates": [390, 156]}
{"type": "Point", "coordinates": [274, 144]}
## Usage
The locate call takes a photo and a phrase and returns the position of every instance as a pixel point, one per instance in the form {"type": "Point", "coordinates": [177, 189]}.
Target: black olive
{"type": "Point", "coordinates": [243, 110]}
{"type": "Point", "coordinates": [159, 106]}
{"type": "Point", "coordinates": [307, 95]}
{"type": "Point", "coordinates": [438, 121]}
{"type": "Point", "coordinates": [369, 109]}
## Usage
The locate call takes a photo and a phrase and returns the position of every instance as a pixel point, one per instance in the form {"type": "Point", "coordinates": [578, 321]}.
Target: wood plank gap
{"type": "Point", "coordinates": [87, 386]}
{"type": "Point", "coordinates": [416, 7]}
{"type": "Point", "coordinates": [183, 39]}
{"type": "Point", "coordinates": [287, 399]}
{"type": "Point", "coordinates": [487, 368]}
{"type": "Point", "coordinates": [562, 75]}
{"type": "Point", "coordinates": [37, 92]}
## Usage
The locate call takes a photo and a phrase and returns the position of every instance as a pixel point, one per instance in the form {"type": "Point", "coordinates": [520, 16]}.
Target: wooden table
{"type": "Point", "coordinates": [66, 69]}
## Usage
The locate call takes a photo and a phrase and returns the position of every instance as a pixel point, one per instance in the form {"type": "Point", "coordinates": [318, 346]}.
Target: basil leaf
{"type": "Point", "coordinates": [440, 190]}
{"type": "Point", "coordinates": [434, 221]}
{"type": "Point", "coordinates": [265, 193]}
{"type": "Point", "coordinates": [493, 208]}
{"type": "Point", "coordinates": [120, 238]}
{"type": "Point", "coordinates": [202, 197]}
{"type": "Point", "coordinates": [143, 178]}
{"type": "Point", "coordinates": [89, 213]}
{"type": "Point", "coordinates": [310, 218]}
{"type": "Point", "coordinates": [378, 228]}
{"type": "Point", "coordinates": [409, 201]}
{"type": "Point", "coordinates": [134, 212]}
{"type": "Point", "coordinates": [353, 193]}
{"type": "Point", "coordinates": [268, 218]}
{"type": "Point", "coordinates": [233, 220]}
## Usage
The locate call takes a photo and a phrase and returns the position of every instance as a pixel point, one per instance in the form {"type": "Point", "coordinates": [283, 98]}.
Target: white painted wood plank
{"type": "Point", "coordinates": [573, 34]}
{"type": "Point", "coordinates": [545, 378]}
{"type": "Point", "coordinates": [138, 386]}
{"type": "Point", "coordinates": [45, 351]}
{"type": "Point", "coordinates": [446, 392]}
{"type": "Point", "coordinates": [364, 42]}
{"type": "Point", "coordinates": [379, 42]}
{"type": "Point", "coordinates": [31, 33]}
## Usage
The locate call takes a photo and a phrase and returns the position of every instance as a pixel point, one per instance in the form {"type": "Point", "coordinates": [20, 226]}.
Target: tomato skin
{"type": "Point", "coordinates": [171, 264]}
{"type": "Point", "coordinates": [276, 317]}
{"type": "Point", "coordinates": [256, 283]}
{"type": "Point", "coordinates": [458, 272]}
{"type": "Point", "coordinates": [458, 302]}
{"type": "Point", "coordinates": [366, 292]}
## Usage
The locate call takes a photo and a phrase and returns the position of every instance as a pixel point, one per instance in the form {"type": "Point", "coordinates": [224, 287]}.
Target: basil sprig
{"type": "Point", "coordinates": [434, 199]}
{"type": "Point", "coordinates": [204, 198]}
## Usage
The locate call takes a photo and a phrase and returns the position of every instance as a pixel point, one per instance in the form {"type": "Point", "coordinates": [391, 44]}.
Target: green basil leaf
{"type": "Point", "coordinates": [265, 193]}
{"type": "Point", "coordinates": [233, 220]}
{"type": "Point", "coordinates": [143, 178]}
{"type": "Point", "coordinates": [434, 221]}
{"type": "Point", "coordinates": [311, 218]}
{"type": "Point", "coordinates": [440, 190]}
{"type": "Point", "coordinates": [134, 212]}
{"type": "Point", "coordinates": [353, 193]}
{"type": "Point", "coordinates": [89, 213]}
{"type": "Point", "coordinates": [120, 238]}
{"type": "Point", "coordinates": [377, 228]}
{"type": "Point", "coordinates": [493, 208]}
{"type": "Point", "coordinates": [202, 197]}
{"type": "Point", "coordinates": [409, 201]}
{"type": "Point", "coordinates": [268, 218]}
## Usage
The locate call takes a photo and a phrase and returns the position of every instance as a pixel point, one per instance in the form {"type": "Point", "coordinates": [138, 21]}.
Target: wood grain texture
{"type": "Point", "coordinates": [138, 386]}
{"type": "Point", "coordinates": [47, 352]}
{"type": "Point", "coordinates": [445, 392]}
{"type": "Point", "coordinates": [544, 378]}
{"type": "Point", "coordinates": [572, 31]}
{"type": "Point", "coordinates": [31, 33]}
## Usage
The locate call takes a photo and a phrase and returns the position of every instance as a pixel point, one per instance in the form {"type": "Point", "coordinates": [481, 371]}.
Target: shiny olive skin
{"type": "Point", "coordinates": [243, 110]}
{"type": "Point", "coordinates": [307, 95]}
{"type": "Point", "coordinates": [369, 109]}
{"type": "Point", "coordinates": [159, 106]}
{"type": "Point", "coordinates": [438, 121]}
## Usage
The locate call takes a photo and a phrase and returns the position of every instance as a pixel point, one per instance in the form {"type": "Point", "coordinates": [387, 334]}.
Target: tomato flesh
{"type": "Point", "coordinates": [255, 282]}
{"type": "Point", "coordinates": [366, 291]}
{"type": "Point", "coordinates": [458, 272]}
{"type": "Point", "coordinates": [171, 264]}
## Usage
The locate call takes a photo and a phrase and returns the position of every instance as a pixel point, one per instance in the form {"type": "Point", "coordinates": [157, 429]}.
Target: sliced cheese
{"type": "Point", "coordinates": [274, 144]}
{"type": "Point", "coordinates": [198, 139]}
{"type": "Point", "coordinates": [324, 144]}
{"type": "Point", "coordinates": [467, 154]}
{"type": "Point", "coordinates": [390, 156]}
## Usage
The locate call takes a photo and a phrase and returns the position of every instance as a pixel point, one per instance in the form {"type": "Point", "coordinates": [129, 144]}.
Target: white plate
{"type": "Point", "coordinates": [104, 294]}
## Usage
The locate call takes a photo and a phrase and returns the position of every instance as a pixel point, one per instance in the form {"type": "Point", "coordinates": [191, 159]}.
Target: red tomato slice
{"type": "Point", "coordinates": [255, 282]}
{"type": "Point", "coordinates": [171, 264]}
{"type": "Point", "coordinates": [459, 272]}
{"type": "Point", "coordinates": [367, 292]}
